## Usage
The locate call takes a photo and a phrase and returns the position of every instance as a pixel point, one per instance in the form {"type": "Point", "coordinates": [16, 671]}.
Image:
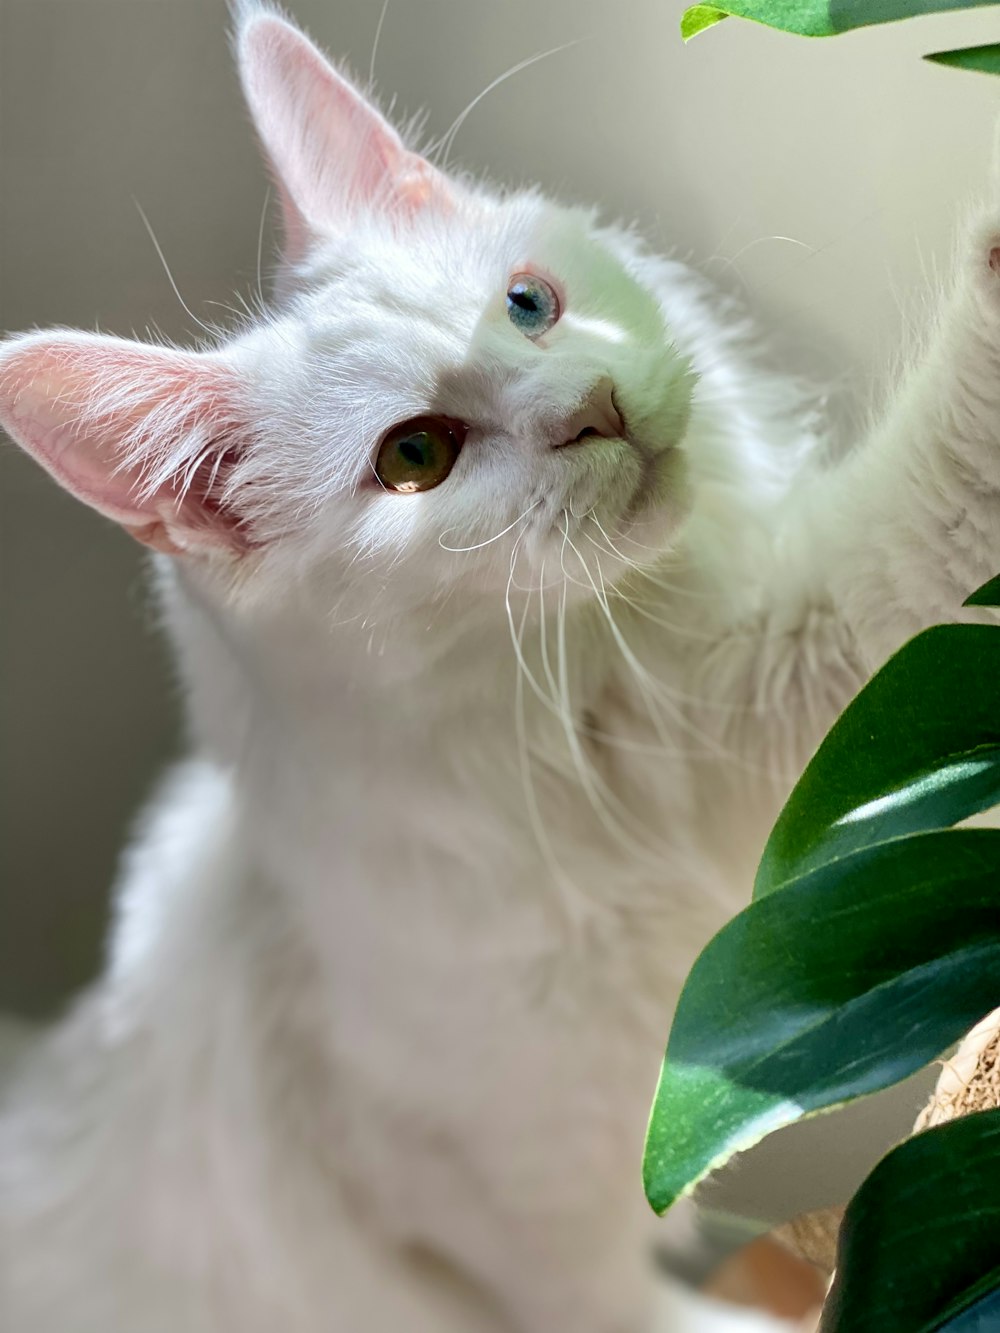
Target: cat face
{"type": "Point", "coordinates": [457, 390]}
{"type": "Point", "coordinates": [411, 356]}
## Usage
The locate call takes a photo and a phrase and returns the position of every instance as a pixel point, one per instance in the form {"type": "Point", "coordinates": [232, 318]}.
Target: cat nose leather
{"type": "Point", "coordinates": [596, 417]}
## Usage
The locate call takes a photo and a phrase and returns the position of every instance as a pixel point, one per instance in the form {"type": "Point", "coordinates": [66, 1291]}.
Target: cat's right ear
{"type": "Point", "coordinates": [148, 436]}
{"type": "Point", "coordinates": [331, 152]}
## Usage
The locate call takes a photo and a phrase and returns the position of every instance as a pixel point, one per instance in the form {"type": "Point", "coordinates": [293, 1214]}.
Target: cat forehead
{"type": "Point", "coordinates": [446, 265]}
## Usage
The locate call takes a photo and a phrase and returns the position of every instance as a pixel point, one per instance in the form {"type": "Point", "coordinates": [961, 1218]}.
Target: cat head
{"type": "Point", "coordinates": [455, 390]}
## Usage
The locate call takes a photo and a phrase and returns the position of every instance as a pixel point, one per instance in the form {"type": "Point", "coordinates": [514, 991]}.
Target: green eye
{"type": "Point", "coordinates": [417, 455]}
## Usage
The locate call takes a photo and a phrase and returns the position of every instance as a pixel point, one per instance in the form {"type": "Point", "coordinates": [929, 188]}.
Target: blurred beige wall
{"type": "Point", "coordinates": [822, 178]}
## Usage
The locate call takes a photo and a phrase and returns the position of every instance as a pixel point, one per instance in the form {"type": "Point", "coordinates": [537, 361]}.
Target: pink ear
{"type": "Point", "coordinates": [145, 435]}
{"type": "Point", "coordinates": [330, 150]}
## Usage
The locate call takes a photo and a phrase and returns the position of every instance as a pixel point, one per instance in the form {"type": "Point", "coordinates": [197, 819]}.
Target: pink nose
{"type": "Point", "coordinates": [596, 416]}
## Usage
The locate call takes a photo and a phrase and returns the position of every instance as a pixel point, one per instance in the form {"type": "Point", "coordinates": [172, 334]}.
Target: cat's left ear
{"type": "Point", "coordinates": [332, 153]}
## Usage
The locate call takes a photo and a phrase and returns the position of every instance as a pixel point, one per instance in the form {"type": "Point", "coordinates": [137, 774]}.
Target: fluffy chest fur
{"type": "Point", "coordinates": [410, 973]}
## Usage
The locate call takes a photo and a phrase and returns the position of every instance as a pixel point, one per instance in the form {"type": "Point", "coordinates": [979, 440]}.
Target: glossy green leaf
{"type": "Point", "coordinates": [989, 593]}
{"type": "Point", "coordinates": [817, 18]}
{"type": "Point", "coordinates": [920, 1244]}
{"type": "Point", "coordinates": [983, 60]}
{"type": "Point", "coordinates": [917, 749]}
{"type": "Point", "coordinates": [852, 977]}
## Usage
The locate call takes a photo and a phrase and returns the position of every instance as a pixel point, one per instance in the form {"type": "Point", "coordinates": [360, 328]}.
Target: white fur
{"type": "Point", "coordinates": [477, 771]}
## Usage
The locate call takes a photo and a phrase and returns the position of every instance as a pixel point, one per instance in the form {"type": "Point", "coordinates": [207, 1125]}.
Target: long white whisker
{"type": "Point", "coordinates": [634, 564]}
{"type": "Point", "coordinates": [170, 277]}
{"type": "Point", "coordinates": [681, 631]}
{"type": "Point", "coordinates": [604, 801]}
{"type": "Point", "coordinates": [568, 892]}
{"type": "Point", "coordinates": [730, 260]}
{"type": "Point", "coordinates": [643, 571]}
{"type": "Point", "coordinates": [648, 687]}
{"type": "Point", "coordinates": [479, 545]}
{"type": "Point", "coordinates": [260, 245]}
{"type": "Point", "coordinates": [669, 697]}
{"type": "Point", "coordinates": [517, 639]}
{"type": "Point", "coordinates": [378, 34]}
{"type": "Point", "coordinates": [562, 553]}
{"type": "Point", "coordinates": [550, 702]}
{"type": "Point", "coordinates": [650, 696]}
{"type": "Point", "coordinates": [448, 138]}
{"type": "Point", "coordinates": [544, 639]}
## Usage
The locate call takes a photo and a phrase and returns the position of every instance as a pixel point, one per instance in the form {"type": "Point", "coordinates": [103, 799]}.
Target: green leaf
{"type": "Point", "coordinates": [919, 1247]}
{"type": "Point", "coordinates": [852, 977]}
{"type": "Point", "coordinates": [698, 18]}
{"type": "Point", "coordinates": [821, 18]}
{"type": "Point", "coordinates": [989, 593]}
{"type": "Point", "coordinates": [985, 60]}
{"type": "Point", "coordinates": [917, 749]}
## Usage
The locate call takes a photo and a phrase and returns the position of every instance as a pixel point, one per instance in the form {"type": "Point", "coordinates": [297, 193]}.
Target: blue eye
{"type": "Point", "coordinates": [532, 305]}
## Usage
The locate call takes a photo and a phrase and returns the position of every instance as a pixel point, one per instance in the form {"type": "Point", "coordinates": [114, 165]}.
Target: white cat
{"type": "Point", "coordinates": [510, 594]}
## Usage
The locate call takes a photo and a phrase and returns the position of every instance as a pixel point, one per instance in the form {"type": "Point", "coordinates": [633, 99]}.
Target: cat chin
{"type": "Point", "coordinates": [650, 525]}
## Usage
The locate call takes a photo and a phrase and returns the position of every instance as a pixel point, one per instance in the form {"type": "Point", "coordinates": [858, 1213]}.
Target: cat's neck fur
{"type": "Point", "coordinates": [402, 679]}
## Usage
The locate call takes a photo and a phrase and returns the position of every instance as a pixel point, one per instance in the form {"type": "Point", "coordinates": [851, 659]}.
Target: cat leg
{"type": "Point", "coordinates": [912, 520]}
{"type": "Point", "coordinates": [870, 552]}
